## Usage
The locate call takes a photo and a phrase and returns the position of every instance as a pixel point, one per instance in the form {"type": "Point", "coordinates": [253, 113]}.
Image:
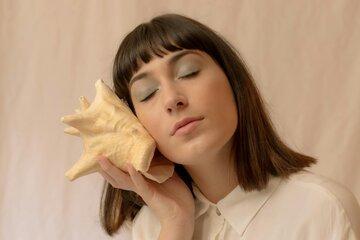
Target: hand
{"type": "Point", "coordinates": [171, 200]}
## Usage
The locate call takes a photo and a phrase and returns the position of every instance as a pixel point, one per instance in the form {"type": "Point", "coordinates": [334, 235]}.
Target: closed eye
{"type": "Point", "coordinates": [145, 99]}
{"type": "Point", "coordinates": [190, 75]}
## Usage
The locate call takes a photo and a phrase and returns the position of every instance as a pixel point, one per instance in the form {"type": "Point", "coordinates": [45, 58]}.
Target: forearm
{"type": "Point", "coordinates": [177, 232]}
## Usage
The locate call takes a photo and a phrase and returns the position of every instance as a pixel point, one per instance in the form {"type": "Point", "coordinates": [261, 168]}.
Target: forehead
{"type": "Point", "coordinates": [169, 57]}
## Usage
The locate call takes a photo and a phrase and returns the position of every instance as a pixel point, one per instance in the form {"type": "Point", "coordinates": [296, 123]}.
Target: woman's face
{"type": "Point", "coordinates": [171, 96]}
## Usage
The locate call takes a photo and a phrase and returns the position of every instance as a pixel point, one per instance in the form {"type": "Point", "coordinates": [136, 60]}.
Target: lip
{"type": "Point", "coordinates": [185, 121]}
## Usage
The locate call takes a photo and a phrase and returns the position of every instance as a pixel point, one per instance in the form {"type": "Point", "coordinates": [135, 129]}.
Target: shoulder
{"type": "Point", "coordinates": [323, 198]}
{"type": "Point", "coordinates": [322, 188]}
{"type": "Point", "coordinates": [145, 224]}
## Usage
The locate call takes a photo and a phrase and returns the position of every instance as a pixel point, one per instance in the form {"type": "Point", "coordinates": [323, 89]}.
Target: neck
{"type": "Point", "coordinates": [215, 177]}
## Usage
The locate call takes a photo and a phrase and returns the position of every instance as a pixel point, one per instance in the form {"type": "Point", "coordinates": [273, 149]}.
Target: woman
{"type": "Point", "coordinates": [234, 177]}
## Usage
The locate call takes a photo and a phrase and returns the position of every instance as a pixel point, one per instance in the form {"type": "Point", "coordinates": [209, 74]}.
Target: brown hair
{"type": "Point", "coordinates": [258, 150]}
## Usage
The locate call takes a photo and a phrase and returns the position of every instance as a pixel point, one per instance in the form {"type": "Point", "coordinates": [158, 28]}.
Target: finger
{"type": "Point", "coordinates": [108, 178]}
{"type": "Point", "coordinates": [141, 185]}
{"type": "Point", "coordinates": [115, 183]}
{"type": "Point", "coordinates": [120, 178]}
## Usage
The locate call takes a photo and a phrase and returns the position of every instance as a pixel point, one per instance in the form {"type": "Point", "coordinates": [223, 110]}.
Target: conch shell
{"type": "Point", "coordinates": [109, 128]}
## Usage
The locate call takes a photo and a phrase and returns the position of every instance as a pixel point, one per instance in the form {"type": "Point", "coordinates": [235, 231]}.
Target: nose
{"type": "Point", "coordinates": [176, 103]}
{"type": "Point", "coordinates": [179, 104]}
{"type": "Point", "coordinates": [174, 100]}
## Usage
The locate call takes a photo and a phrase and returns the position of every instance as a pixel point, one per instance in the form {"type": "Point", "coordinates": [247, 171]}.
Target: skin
{"type": "Point", "coordinates": [205, 151]}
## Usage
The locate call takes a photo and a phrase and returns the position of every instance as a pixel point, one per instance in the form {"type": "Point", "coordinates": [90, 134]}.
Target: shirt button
{"type": "Point", "coordinates": [218, 212]}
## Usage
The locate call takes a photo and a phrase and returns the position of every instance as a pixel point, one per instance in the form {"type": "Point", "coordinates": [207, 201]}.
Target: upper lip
{"type": "Point", "coordinates": [183, 122]}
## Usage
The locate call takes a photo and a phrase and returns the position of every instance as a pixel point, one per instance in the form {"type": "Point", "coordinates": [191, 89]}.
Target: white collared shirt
{"type": "Point", "coordinates": [306, 206]}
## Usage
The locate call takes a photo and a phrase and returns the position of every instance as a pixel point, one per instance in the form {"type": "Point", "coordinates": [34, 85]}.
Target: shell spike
{"type": "Point", "coordinates": [108, 127]}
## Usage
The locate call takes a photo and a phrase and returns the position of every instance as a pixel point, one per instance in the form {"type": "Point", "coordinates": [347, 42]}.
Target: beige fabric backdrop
{"type": "Point", "coordinates": [305, 56]}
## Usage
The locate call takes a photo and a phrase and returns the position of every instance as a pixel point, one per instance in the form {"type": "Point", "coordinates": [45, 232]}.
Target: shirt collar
{"type": "Point", "coordinates": [237, 207]}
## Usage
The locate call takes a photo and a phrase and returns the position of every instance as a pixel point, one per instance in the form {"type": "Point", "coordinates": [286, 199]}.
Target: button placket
{"type": "Point", "coordinates": [218, 223]}
{"type": "Point", "coordinates": [221, 233]}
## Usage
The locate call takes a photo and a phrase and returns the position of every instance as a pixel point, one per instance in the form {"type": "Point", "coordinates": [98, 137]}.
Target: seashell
{"type": "Point", "coordinates": [108, 127]}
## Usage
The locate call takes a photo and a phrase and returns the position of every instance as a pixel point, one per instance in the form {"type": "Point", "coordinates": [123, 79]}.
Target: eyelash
{"type": "Point", "coordinates": [190, 75]}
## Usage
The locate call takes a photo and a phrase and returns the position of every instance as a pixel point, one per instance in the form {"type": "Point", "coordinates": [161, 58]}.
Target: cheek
{"type": "Point", "coordinates": [149, 122]}
{"type": "Point", "coordinates": [215, 94]}
{"type": "Point", "coordinates": [217, 101]}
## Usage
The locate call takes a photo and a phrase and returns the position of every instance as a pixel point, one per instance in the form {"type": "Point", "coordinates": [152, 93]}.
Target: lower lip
{"type": "Point", "coordinates": [187, 128]}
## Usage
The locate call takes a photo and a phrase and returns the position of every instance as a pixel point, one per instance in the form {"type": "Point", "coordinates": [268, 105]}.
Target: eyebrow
{"type": "Point", "coordinates": [171, 61]}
